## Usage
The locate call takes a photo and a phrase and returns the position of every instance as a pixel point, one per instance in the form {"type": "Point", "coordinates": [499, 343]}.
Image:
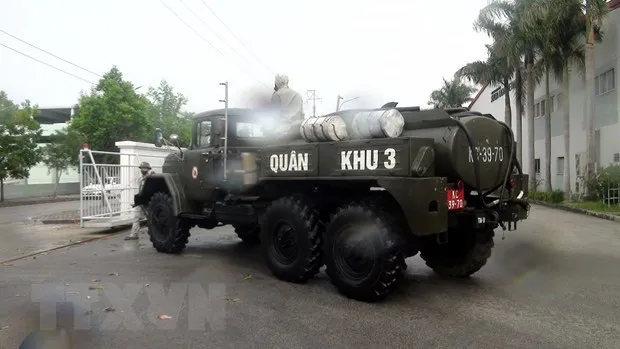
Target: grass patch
{"type": "Point", "coordinates": [595, 206]}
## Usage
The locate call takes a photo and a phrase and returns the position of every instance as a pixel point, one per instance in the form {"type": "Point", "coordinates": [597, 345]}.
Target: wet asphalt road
{"type": "Point", "coordinates": [555, 283]}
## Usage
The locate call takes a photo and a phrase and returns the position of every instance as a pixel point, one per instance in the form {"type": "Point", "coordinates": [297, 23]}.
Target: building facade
{"type": "Point", "coordinates": [490, 99]}
{"type": "Point", "coordinates": [51, 120]}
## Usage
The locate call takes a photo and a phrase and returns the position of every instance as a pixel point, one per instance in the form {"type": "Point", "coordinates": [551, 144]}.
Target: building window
{"type": "Point", "coordinates": [605, 82]}
{"type": "Point", "coordinates": [541, 107]}
{"type": "Point", "coordinates": [577, 165]}
{"type": "Point", "coordinates": [616, 157]}
{"type": "Point", "coordinates": [560, 166]}
{"type": "Point", "coordinates": [537, 166]}
{"type": "Point", "coordinates": [551, 105]}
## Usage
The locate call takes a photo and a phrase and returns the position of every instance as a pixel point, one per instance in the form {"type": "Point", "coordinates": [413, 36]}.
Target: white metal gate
{"type": "Point", "coordinates": [107, 189]}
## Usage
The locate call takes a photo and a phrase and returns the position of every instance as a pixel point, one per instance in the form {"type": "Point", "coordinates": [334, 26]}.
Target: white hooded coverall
{"type": "Point", "coordinates": [289, 101]}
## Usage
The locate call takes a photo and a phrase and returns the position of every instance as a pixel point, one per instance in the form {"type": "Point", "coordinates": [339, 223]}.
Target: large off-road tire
{"type": "Point", "coordinates": [168, 233]}
{"type": "Point", "coordinates": [291, 238]}
{"type": "Point", "coordinates": [363, 252]}
{"type": "Point", "coordinates": [466, 252]}
{"type": "Point", "coordinates": [249, 234]}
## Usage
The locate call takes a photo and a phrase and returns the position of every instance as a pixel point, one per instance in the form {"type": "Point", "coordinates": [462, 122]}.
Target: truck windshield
{"type": "Point", "coordinates": [249, 130]}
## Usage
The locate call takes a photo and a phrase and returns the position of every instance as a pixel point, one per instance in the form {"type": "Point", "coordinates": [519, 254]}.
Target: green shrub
{"type": "Point", "coordinates": [538, 195]}
{"type": "Point", "coordinates": [557, 196]}
{"type": "Point", "coordinates": [605, 178]}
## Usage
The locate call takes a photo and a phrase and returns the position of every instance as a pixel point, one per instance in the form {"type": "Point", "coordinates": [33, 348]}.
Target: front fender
{"type": "Point", "coordinates": [169, 183]}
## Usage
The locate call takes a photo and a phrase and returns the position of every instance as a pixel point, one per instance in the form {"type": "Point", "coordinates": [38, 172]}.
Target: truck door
{"type": "Point", "coordinates": [199, 164]}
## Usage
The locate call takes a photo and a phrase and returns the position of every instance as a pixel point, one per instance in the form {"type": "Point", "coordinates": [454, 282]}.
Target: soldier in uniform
{"type": "Point", "coordinates": [288, 101]}
{"type": "Point", "coordinates": [145, 170]}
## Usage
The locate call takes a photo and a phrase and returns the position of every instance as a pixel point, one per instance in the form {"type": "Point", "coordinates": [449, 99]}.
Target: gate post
{"type": "Point", "coordinates": [128, 173]}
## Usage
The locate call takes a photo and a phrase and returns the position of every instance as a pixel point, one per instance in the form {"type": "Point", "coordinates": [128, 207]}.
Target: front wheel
{"type": "Point", "coordinates": [168, 233]}
{"type": "Point", "coordinates": [363, 253]}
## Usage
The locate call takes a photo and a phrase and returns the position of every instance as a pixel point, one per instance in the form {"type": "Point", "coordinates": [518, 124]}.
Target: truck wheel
{"type": "Point", "coordinates": [168, 233]}
{"type": "Point", "coordinates": [248, 234]}
{"type": "Point", "coordinates": [363, 253]}
{"type": "Point", "coordinates": [465, 253]}
{"type": "Point", "coordinates": [291, 240]}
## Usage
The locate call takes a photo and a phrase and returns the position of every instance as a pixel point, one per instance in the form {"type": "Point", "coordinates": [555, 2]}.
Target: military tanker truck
{"type": "Point", "coordinates": [357, 191]}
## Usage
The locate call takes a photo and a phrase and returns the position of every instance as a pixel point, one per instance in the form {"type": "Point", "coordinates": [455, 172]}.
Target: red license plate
{"type": "Point", "coordinates": [456, 198]}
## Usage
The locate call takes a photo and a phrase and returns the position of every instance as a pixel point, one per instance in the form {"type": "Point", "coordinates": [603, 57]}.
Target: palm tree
{"type": "Point", "coordinates": [569, 40]}
{"type": "Point", "coordinates": [595, 11]}
{"type": "Point", "coordinates": [452, 94]}
{"type": "Point", "coordinates": [501, 20]}
{"type": "Point", "coordinates": [540, 20]}
{"type": "Point", "coordinates": [564, 21]}
{"type": "Point", "coordinates": [494, 71]}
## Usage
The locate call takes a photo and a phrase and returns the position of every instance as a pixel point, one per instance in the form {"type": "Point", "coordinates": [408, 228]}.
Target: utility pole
{"type": "Point", "coordinates": [339, 105]}
{"type": "Point", "coordinates": [312, 95]}
{"type": "Point", "coordinates": [338, 102]}
{"type": "Point", "coordinates": [225, 101]}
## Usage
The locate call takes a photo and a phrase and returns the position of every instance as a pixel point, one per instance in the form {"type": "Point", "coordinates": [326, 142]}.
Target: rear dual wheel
{"type": "Point", "coordinates": [465, 253]}
{"type": "Point", "coordinates": [363, 253]}
{"type": "Point", "coordinates": [361, 247]}
{"type": "Point", "coordinates": [291, 237]}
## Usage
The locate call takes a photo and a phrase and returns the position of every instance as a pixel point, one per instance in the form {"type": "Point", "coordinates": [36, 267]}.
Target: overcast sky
{"type": "Point", "coordinates": [388, 50]}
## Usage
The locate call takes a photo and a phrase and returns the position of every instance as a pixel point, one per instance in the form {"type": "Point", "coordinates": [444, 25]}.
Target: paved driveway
{"type": "Point", "coordinates": [22, 234]}
{"type": "Point", "coordinates": [552, 284]}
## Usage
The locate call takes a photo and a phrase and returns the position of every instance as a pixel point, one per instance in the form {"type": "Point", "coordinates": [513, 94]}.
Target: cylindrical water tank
{"type": "Point", "coordinates": [307, 129]}
{"type": "Point", "coordinates": [454, 158]}
{"type": "Point", "coordinates": [324, 128]}
{"type": "Point", "coordinates": [382, 123]}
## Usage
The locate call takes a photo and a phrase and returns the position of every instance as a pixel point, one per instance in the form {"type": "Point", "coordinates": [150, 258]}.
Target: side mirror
{"type": "Point", "coordinates": [158, 138]}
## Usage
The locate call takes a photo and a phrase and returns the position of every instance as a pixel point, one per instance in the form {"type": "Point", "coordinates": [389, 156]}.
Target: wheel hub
{"type": "Point", "coordinates": [285, 243]}
{"type": "Point", "coordinates": [354, 254]}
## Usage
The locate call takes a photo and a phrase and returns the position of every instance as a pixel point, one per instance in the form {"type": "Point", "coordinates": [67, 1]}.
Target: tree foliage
{"type": "Point", "coordinates": [452, 94]}
{"type": "Point", "coordinates": [19, 133]}
{"type": "Point", "coordinates": [61, 154]}
{"type": "Point", "coordinates": [167, 112]}
{"type": "Point", "coordinates": [113, 111]}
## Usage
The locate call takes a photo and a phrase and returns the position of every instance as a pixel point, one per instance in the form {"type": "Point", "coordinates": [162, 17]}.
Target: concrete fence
{"type": "Point", "coordinates": [130, 153]}
{"type": "Point", "coordinates": [24, 191]}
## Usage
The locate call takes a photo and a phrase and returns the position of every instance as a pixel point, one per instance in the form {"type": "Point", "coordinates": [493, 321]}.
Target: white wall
{"type": "Point", "coordinates": [131, 155]}
{"type": "Point", "coordinates": [606, 112]}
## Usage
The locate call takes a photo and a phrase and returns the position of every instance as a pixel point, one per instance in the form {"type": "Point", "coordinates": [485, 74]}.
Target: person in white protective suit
{"type": "Point", "coordinates": [288, 101]}
{"type": "Point", "coordinates": [145, 170]}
